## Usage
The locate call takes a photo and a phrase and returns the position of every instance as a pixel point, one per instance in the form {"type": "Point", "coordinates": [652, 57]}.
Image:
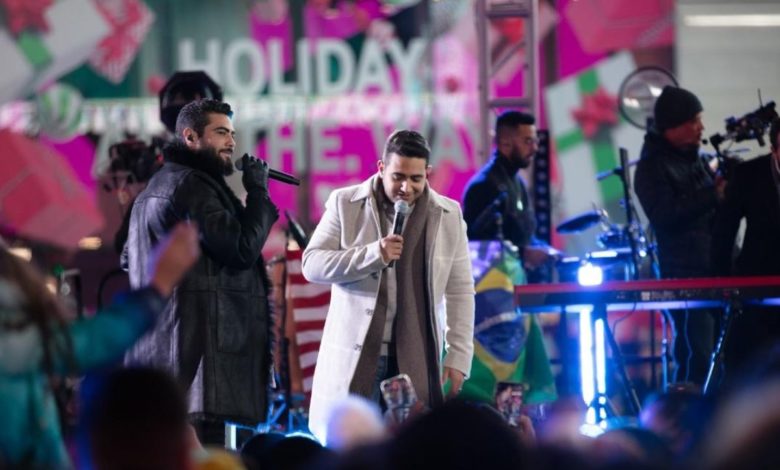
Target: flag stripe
{"type": "Point", "coordinates": [309, 308]}
{"type": "Point", "coordinates": [321, 300]}
{"type": "Point", "coordinates": [307, 348]}
{"type": "Point", "coordinates": [308, 290]}
{"type": "Point", "coordinates": [302, 314]}
{"type": "Point", "coordinates": [316, 325]}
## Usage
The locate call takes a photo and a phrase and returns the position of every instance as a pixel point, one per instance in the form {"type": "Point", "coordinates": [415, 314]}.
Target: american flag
{"type": "Point", "coordinates": [309, 305]}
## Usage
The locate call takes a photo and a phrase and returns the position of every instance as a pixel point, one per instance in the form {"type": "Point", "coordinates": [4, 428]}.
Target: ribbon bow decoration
{"type": "Point", "coordinates": [598, 109]}
{"type": "Point", "coordinates": [22, 15]}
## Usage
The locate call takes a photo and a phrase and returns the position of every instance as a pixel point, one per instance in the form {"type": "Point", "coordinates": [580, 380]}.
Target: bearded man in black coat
{"type": "Point", "coordinates": [214, 334]}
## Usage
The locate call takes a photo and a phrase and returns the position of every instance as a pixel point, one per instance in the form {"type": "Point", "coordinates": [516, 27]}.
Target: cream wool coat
{"type": "Point", "coordinates": [344, 251]}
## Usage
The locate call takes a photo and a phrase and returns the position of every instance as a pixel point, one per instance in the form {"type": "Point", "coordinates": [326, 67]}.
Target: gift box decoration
{"type": "Point", "coordinates": [610, 25]}
{"type": "Point", "coordinates": [41, 197]}
{"type": "Point", "coordinates": [586, 132]}
{"type": "Point", "coordinates": [130, 20]}
{"type": "Point", "coordinates": [44, 40]}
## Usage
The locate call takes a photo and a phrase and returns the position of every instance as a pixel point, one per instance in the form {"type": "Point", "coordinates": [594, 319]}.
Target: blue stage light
{"type": "Point", "coordinates": [590, 275]}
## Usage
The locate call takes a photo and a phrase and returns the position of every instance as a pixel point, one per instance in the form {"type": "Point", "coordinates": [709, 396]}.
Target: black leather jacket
{"type": "Point", "coordinates": [677, 192]}
{"type": "Point", "coordinates": [214, 334]}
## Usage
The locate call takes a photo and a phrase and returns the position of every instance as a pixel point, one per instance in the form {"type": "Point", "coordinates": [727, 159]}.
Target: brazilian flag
{"type": "Point", "coordinates": [508, 345]}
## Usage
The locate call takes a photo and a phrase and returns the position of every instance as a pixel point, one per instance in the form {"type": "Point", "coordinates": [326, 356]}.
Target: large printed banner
{"type": "Point", "coordinates": [316, 88]}
{"type": "Point", "coordinates": [339, 140]}
{"type": "Point", "coordinates": [587, 130]}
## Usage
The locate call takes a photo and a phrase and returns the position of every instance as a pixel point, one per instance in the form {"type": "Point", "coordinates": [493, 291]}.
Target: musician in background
{"type": "Point", "coordinates": [680, 193]}
{"type": "Point", "coordinates": [753, 195]}
{"type": "Point", "coordinates": [497, 189]}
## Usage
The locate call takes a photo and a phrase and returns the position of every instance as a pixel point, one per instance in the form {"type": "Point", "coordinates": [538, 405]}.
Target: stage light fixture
{"type": "Point", "coordinates": [590, 275]}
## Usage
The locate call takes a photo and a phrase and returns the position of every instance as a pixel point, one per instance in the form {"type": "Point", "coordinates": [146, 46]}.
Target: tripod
{"type": "Point", "coordinates": [732, 310]}
{"type": "Point", "coordinates": [634, 235]}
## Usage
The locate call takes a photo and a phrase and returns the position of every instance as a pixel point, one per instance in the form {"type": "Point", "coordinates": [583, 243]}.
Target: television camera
{"type": "Point", "coordinates": [751, 126]}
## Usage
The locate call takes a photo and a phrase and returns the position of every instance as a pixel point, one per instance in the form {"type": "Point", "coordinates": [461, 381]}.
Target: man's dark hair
{"type": "Point", "coordinates": [774, 130]}
{"type": "Point", "coordinates": [512, 119]}
{"type": "Point", "coordinates": [195, 115]}
{"type": "Point", "coordinates": [407, 144]}
{"type": "Point", "coordinates": [133, 418]}
{"type": "Point", "coordinates": [437, 440]}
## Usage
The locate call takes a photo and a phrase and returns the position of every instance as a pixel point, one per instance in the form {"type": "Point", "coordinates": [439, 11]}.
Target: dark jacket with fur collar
{"type": "Point", "coordinates": [214, 334]}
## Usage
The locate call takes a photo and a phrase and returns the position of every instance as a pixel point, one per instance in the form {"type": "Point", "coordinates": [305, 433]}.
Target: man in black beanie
{"type": "Point", "coordinates": [679, 193]}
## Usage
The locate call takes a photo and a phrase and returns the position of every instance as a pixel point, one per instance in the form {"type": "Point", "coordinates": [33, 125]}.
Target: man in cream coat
{"type": "Point", "coordinates": [399, 303]}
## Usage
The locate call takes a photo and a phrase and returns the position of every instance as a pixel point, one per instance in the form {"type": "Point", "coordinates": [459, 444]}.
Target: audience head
{"type": "Point", "coordinates": [295, 452]}
{"type": "Point", "coordinates": [678, 416]}
{"type": "Point", "coordinates": [457, 435]}
{"type": "Point", "coordinates": [631, 446]}
{"type": "Point", "coordinates": [745, 429]}
{"type": "Point", "coordinates": [135, 418]}
{"type": "Point", "coordinates": [354, 421]}
{"type": "Point", "coordinates": [256, 450]}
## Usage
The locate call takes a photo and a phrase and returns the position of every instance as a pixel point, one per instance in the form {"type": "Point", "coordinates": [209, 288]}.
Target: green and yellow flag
{"type": "Point", "coordinates": [508, 345]}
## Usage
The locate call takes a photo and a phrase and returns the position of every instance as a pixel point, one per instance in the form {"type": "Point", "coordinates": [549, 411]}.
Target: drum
{"type": "Point", "coordinates": [613, 238]}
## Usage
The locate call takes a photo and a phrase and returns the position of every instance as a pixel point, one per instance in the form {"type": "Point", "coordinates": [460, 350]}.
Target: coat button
{"type": "Point", "coordinates": [369, 312]}
{"type": "Point", "coordinates": [358, 347]}
{"type": "Point", "coordinates": [374, 275]}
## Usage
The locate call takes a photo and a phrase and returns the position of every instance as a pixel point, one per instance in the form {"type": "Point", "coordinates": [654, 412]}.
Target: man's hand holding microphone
{"type": "Point", "coordinates": [392, 245]}
{"type": "Point", "coordinates": [255, 181]}
{"type": "Point", "coordinates": [255, 173]}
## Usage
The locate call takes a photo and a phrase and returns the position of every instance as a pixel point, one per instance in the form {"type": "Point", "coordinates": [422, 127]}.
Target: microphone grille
{"type": "Point", "coordinates": [402, 207]}
{"type": "Point", "coordinates": [239, 163]}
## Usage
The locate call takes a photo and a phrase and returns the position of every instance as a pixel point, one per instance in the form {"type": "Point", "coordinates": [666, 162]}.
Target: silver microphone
{"type": "Point", "coordinates": [401, 211]}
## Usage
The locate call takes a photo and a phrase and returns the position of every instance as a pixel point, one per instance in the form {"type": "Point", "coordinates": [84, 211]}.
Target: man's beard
{"type": "Point", "coordinates": [521, 162]}
{"type": "Point", "coordinates": [223, 167]}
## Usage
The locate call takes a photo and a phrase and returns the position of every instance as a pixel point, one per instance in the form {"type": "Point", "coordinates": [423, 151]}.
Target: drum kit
{"type": "Point", "coordinates": [622, 248]}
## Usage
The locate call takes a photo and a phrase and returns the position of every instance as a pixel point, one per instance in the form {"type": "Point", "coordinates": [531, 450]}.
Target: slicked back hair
{"type": "Point", "coordinates": [195, 115]}
{"type": "Point", "coordinates": [406, 143]}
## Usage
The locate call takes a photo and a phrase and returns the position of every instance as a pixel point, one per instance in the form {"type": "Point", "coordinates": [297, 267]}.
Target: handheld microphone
{"type": "Point", "coordinates": [401, 211]}
{"type": "Point", "coordinates": [273, 174]}
{"type": "Point", "coordinates": [296, 231]}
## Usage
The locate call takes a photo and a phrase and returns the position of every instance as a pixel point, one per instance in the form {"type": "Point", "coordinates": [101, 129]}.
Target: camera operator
{"type": "Point", "coordinates": [680, 193]}
{"type": "Point", "coordinates": [754, 195]}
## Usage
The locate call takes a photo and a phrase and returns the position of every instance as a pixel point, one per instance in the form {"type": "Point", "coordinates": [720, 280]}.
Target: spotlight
{"type": "Point", "coordinates": [590, 275]}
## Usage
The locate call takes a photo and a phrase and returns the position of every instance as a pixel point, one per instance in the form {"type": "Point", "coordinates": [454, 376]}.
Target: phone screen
{"type": "Point", "coordinates": [509, 401]}
{"type": "Point", "coordinates": [399, 395]}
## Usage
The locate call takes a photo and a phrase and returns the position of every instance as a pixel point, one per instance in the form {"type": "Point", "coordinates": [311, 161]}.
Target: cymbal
{"type": "Point", "coordinates": [580, 222]}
